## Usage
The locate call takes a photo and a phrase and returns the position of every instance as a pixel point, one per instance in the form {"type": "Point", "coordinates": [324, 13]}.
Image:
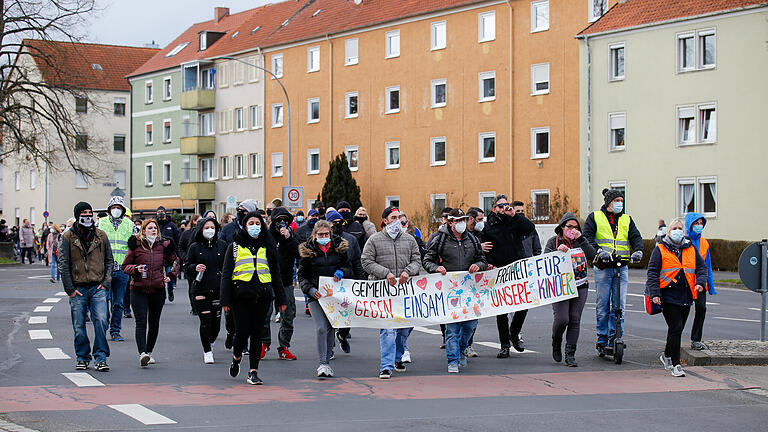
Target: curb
{"type": "Point", "coordinates": [693, 357]}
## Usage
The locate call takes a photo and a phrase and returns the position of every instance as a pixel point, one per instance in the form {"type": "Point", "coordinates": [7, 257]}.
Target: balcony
{"type": "Point", "coordinates": [198, 145]}
{"type": "Point", "coordinates": [197, 191]}
{"type": "Point", "coordinates": [198, 99]}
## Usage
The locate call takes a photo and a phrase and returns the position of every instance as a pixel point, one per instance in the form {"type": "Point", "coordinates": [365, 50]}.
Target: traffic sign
{"type": "Point", "coordinates": [293, 197]}
{"type": "Point", "coordinates": [751, 266]}
{"type": "Point", "coordinates": [46, 214]}
{"type": "Point", "coordinates": [231, 202]}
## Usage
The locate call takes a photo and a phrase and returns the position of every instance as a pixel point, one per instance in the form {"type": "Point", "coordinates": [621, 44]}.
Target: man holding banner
{"type": "Point", "coordinates": [391, 254]}
{"type": "Point", "coordinates": [455, 249]}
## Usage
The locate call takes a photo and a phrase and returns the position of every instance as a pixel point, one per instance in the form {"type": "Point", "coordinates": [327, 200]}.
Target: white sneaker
{"type": "Point", "coordinates": [470, 352]}
{"type": "Point", "coordinates": [151, 359]}
{"type": "Point", "coordinates": [452, 368]}
{"type": "Point", "coordinates": [208, 357]}
{"type": "Point", "coordinates": [678, 371]}
{"type": "Point", "coordinates": [324, 371]}
{"type": "Point", "coordinates": [406, 357]}
{"type": "Point", "coordinates": [144, 359]}
{"type": "Point", "coordinates": [328, 370]}
{"type": "Point", "coordinates": [666, 361]}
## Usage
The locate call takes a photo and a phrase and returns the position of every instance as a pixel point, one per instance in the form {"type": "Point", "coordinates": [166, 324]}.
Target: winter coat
{"type": "Point", "coordinates": [304, 232]}
{"type": "Point", "coordinates": [690, 218]}
{"type": "Point", "coordinates": [354, 254]}
{"type": "Point", "coordinates": [532, 244]}
{"type": "Point", "coordinates": [590, 230]}
{"type": "Point", "coordinates": [228, 232]}
{"type": "Point", "coordinates": [85, 259]}
{"type": "Point", "coordinates": [52, 245]}
{"type": "Point", "coordinates": [581, 251]}
{"type": "Point", "coordinates": [169, 230]}
{"type": "Point", "coordinates": [287, 248]}
{"type": "Point", "coordinates": [315, 263]}
{"type": "Point", "coordinates": [383, 255]}
{"type": "Point", "coordinates": [354, 228]}
{"type": "Point", "coordinates": [157, 256]}
{"type": "Point", "coordinates": [678, 292]}
{"type": "Point", "coordinates": [506, 233]}
{"type": "Point", "coordinates": [369, 227]}
{"type": "Point", "coordinates": [208, 252]}
{"type": "Point", "coordinates": [185, 241]}
{"type": "Point", "coordinates": [27, 237]}
{"type": "Point", "coordinates": [452, 253]}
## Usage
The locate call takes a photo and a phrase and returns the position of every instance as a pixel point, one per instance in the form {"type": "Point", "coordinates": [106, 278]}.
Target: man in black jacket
{"type": "Point", "coordinates": [502, 244]}
{"type": "Point", "coordinates": [351, 226]}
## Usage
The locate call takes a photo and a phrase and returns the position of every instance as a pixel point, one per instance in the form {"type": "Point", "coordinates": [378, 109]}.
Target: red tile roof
{"type": "Point", "coordinates": [86, 65]}
{"type": "Point", "coordinates": [633, 13]}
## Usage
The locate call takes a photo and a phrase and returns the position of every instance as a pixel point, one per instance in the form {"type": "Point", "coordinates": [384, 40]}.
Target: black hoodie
{"type": "Point", "coordinates": [287, 248]}
{"type": "Point", "coordinates": [581, 251]}
{"type": "Point", "coordinates": [208, 252]}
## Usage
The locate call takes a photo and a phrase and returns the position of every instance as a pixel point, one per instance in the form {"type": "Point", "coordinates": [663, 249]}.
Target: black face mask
{"type": "Point", "coordinates": [321, 212]}
{"type": "Point", "coordinates": [161, 216]}
{"type": "Point", "coordinates": [312, 222]}
{"type": "Point", "coordinates": [361, 219]}
{"type": "Point", "coordinates": [346, 214]}
{"type": "Point", "coordinates": [337, 228]}
{"type": "Point", "coordinates": [269, 212]}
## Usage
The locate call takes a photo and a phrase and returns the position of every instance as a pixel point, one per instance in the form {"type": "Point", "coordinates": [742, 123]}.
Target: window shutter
{"type": "Point", "coordinates": [687, 112]}
{"type": "Point", "coordinates": [618, 122]}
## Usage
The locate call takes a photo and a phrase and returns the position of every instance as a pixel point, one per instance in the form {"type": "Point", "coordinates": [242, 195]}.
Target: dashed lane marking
{"type": "Point", "coordinates": [40, 334]}
{"type": "Point", "coordinates": [61, 294]}
{"type": "Point", "coordinates": [37, 320]}
{"type": "Point", "coordinates": [736, 319]}
{"type": "Point", "coordinates": [53, 354]}
{"type": "Point", "coordinates": [142, 414]}
{"type": "Point", "coordinates": [43, 309]}
{"type": "Point", "coordinates": [52, 300]}
{"type": "Point", "coordinates": [752, 309]}
{"type": "Point", "coordinates": [82, 379]}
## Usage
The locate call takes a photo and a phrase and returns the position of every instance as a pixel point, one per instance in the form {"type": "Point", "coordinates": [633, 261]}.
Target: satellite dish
{"type": "Point", "coordinates": [358, 2]}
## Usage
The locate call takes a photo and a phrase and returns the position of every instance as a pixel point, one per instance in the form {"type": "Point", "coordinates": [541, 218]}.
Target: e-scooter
{"type": "Point", "coordinates": [616, 345]}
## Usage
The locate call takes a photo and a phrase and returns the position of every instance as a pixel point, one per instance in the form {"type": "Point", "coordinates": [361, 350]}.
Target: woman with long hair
{"type": "Point", "coordinates": [52, 246]}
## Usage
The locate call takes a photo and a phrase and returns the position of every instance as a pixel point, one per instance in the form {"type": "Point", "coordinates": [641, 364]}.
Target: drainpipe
{"type": "Point", "coordinates": [589, 125]}
{"type": "Point", "coordinates": [330, 98]}
{"type": "Point", "coordinates": [511, 111]}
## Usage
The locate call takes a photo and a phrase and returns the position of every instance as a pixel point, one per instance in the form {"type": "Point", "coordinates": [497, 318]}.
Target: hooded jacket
{"type": "Point", "coordinates": [315, 263]}
{"type": "Point", "coordinates": [208, 252]}
{"type": "Point", "coordinates": [452, 253]}
{"type": "Point", "coordinates": [690, 218]}
{"type": "Point", "coordinates": [287, 248]}
{"type": "Point", "coordinates": [677, 292]}
{"type": "Point", "coordinates": [506, 233]}
{"type": "Point", "coordinates": [581, 251]}
{"type": "Point", "coordinates": [157, 256]}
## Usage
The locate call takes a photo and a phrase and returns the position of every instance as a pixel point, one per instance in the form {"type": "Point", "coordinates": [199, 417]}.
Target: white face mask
{"type": "Point", "coordinates": [479, 226]}
{"type": "Point", "coordinates": [460, 227]}
{"type": "Point", "coordinates": [116, 213]}
{"type": "Point", "coordinates": [151, 239]}
{"type": "Point", "coordinates": [208, 233]}
{"type": "Point", "coordinates": [394, 229]}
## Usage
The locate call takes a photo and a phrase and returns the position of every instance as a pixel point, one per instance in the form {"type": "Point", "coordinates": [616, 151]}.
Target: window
{"type": "Point", "coordinates": [486, 26]}
{"type": "Point", "coordinates": [485, 201]}
{"type": "Point", "coordinates": [438, 93]}
{"type": "Point", "coordinates": [617, 62]}
{"type": "Point", "coordinates": [393, 201]}
{"type": "Point", "coordinates": [177, 49]}
{"type": "Point", "coordinates": [223, 74]}
{"type": "Point", "coordinates": [437, 151]}
{"type": "Point", "coordinates": [17, 180]}
{"type": "Point", "coordinates": [239, 119]}
{"type": "Point", "coordinates": [618, 124]}
{"type": "Point", "coordinates": [256, 165]}
{"type": "Point", "coordinates": [208, 78]}
{"type": "Point", "coordinates": [147, 174]}
{"type": "Point", "coordinates": [393, 155]}
{"type": "Point", "coordinates": [120, 179]}
{"type": "Point", "coordinates": [686, 189]}
{"type": "Point", "coordinates": [277, 115]}
{"type": "Point", "coordinates": [350, 52]}
{"type": "Point", "coordinates": [240, 166]}
{"type": "Point", "coordinates": [540, 143]}
{"type": "Point", "coordinates": [256, 118]}
{"type": "Point", "coordinates": [186, 170]}
{"type": "Point", "coordinates": [239, 69]}
{"type": "Point", "coordinates": [696, 51]}
{"type": "Point", "coordinates": [352, 157]}
{"type": "Point", "coordinates": [206, 124]}
{"type": "Point", "coordinates": [707, 48]}
{"type": "Point", "coordinates": [708, 123]}
{"type": "Point", "coordinates": [487, 147]}
{"type": "Point", "coordinates": [32, 179]}
{"type": "Point", "coordinates": [703, 115]}
{"type": "Point", "coordinates": [253, 73]}
{"type": "Point", "coordinates": [597, 8]}
{"type": "Point", "coordinates": [277, 164]}
{"type": "Point", "coordinates": [148, 92]}
{"type": "Point", "coordinates": [708, 196]}
{"type": "Point", "coordinates": [487, 86]}
{"type": "Point", "coordinates": [540, 204]}
{"type": "Point", "coordinates": [438, 202]}
{"type": "Point", "coordinates": [437, 35]}
{"type": "Point", "coordinates": [203, 41]}
{"type": "Point", "coordinates": [539, 16]}
{"type": "Point", "coordinates": [313, 161]}
{"type": "Point", "coordinates": [277, 65]}
{"type": "Point", "coordinates": [81, 142]}
{"type": "Point", "coordinates": [81, 104]}
{"type": "Point", "coordinates": [350, 105]}
{"type": "Point", "coordinates": [118, 143]}
{"type": "Point", "coordinates": [686, 52]}
{"type": "Point", "coordinates": [393, 43]}
{"type": "Point", "coordinates": [167, 172]}
{"type": "Point", "coordinates": [167, 88]}
{"type": "Point", "coordinates": [226, 169]}
{"type": "Point", "coordinates": [686, 120]}
{"type": "Point", "coordinates": [148, 133]}
{"type": "Point", "coordinates": [81, 181]}
{"type": "Point", "coordinates": [313, 110]}
{"type": "Point", "coordinates": [393, 100]}
{"type": "Point", "coordinates": [119, 107]}
{"type": "Point", "coordinates": [313, 59]}
{"type": "Point", "coordinates": [207, 169]}
{"type": "Point", "coordinates": [167, 130]}
{"type": "Point", "coordinates": [540, 79]}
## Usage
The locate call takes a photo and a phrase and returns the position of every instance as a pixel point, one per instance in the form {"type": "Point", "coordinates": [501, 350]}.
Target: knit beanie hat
{"type": "Point", "coordinates": [332, 216]}
{"type": "Point", "coordinates": [81, 207]}
{"type": "Point", "coordinates": [611, 194]}
{"type": "Point", "coordinates": [116, 200]}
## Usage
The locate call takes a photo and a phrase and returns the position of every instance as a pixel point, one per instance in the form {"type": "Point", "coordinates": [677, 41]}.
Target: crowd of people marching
{"type": "Point", "coordinates": [245, 266]}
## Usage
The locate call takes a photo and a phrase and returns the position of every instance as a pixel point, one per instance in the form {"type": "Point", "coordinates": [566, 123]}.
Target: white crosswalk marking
{"type": "Point", "coordinates": [53, 354]}
{"type": "Point", "coordinates": [40, 334]}
{"type": "Point", "coordinates": [52, 300]}
{"type": "Point", "coordinates": [736, 319]}
{"type": "Point", "coordinates": [142, 414]}
{"type": "Point", "coordinates": [83, 379]}
{"type": "Point", "coordinates": [43, 309]}
{"type": "Point", "coordinates": [61, 294]}
{"type": "Point", "coordinates": [428, 330]}
{"type": "Point", "coordinates": [38, 320]}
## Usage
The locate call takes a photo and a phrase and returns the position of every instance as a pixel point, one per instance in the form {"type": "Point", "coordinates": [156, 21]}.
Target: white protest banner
{"type": "Point", "coordinates": [457, 296]}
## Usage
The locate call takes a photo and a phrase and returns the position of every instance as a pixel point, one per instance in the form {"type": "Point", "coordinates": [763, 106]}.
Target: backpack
{"type": "Point", "coordinates": [441, 242]}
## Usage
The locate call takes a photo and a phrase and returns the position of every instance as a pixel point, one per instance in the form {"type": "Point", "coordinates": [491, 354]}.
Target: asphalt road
{"type": "Point", "coordinates": [525, 392]}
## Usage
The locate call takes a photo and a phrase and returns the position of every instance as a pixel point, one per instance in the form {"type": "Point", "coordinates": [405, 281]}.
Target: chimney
{"type": "Point", "coordinates": [219, 13]}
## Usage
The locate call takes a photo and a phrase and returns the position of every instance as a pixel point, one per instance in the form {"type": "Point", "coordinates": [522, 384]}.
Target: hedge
{"type": "Point", "coordinates": [725, 253]}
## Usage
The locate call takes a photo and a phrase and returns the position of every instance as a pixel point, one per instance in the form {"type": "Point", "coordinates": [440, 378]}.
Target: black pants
{"type": "Point", "coordinates": [698, 319]}
{"type": "Point", "coordinates": [675, 315]}
{"type": "Point", "coordinates": [146, 310]}
{"type": "Point", "coordinates": [28, 252]}
{"type": "Point", "coordinates": [568, 315]}
{"type": "Point", "coordinates": [209, 312]}
{"type": "Point", "coordinates": [249, 316]}
{"type": "Point", "coordinates": [507, 330]}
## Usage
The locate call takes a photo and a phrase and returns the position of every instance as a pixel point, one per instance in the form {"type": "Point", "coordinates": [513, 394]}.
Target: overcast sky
{"type": "Point", "coordinates": [137, 22]}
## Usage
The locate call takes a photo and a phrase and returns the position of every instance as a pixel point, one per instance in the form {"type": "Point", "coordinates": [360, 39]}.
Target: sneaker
{"type": "Point", "coordinates": [698, 346]}
{"type": "Point", "coordinates": [228, 341]}
{"type": "Point", "coordinates": [470, 352]}
{"type": "Point", "coordinates": [453, 368]}
{"type": "Point", "coordinates": [343, 343]}
{"type": "Point", "coordinates": [285, 354]}
{"type": "Point", "coordinates": [321, 372]}
{"type": "Point", "coordinates": [234, 368]}
{"type": "Point", "coordinates": [333, 356]}
{"type": "Point", "coordinates": [442, 346]}
{"type": "Point", "coordinates": [151, 359]}
{"type": "Point", "coordinates": [385, 374]}
{"type": "Point", "coordinates": [518, 344]}
{"type": "Point", "coordinates": [102, 366]}
{"type": "Point", "coordinates": [117, 338]}
{"type": "Point", "coordinates": [253, 378]}
{"type": "Point", "coordinates": [208, 357]}
{"type": "Point", "coordinates": [306, 311]}
{"type": "Point", "coordinates": [463, 361]}
{"type": "Point", "coordinates": [264, 349]}
{"type": "Point", "coordinates": [503, 353]}
{"type": "Point", "coordinates": [170, 296]}
{"type": "Point", "coordinates": [144, 359]}
{"type": "Point", "coordinates": [328, 371]}
{"type": "Point", "coordinates": [399, 366]}
{"type": "Point", "coordinates": [127, 314]}
{"type": "Point", "coordinates": [677, 371]}
{"type": "Point", "coordinates": [665, 361]}
{"type": "Point", "coordinates": [406, 356]}
{"type": "Point", "coordinates": [277, 317]}
{"type": "Point", "coordinates": [246, 352]}
{"type": "Point", "coordinates": [81, 365]}
{"type": "Point", "coordinates": [52, 280]}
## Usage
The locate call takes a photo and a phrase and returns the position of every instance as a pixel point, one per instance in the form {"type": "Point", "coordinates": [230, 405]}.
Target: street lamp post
{"type": "Point", "coordinates": [287, 102]}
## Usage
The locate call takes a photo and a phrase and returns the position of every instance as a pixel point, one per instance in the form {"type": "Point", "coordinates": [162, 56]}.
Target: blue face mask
{"type": "Point", "coordinates": [618, 207]}
{"type": "Point", "coordinates": [676, 235]}
{"type": "Point", "coordinates": [299, 219]}
{"type": "Point", "coordinates": [697, 229]}
{"type": "Point", "coordinates": [324, 241]}
{"type": "Point", "coordinates": [254, 230]}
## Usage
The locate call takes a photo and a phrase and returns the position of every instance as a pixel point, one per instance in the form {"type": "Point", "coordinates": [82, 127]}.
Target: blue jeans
{"type": "Point", "coordinates": [94, 300]}
{"type": "Point", "coordinates": [605, 282]}
{"type": "Point", "coordinates": [117, 292]}
{"type": "Point", "coordinates": [392, 343]}
{"type": "Point", "coordinates": [55, 270]}
{"type": "Point", "coordinates": [457, 337]}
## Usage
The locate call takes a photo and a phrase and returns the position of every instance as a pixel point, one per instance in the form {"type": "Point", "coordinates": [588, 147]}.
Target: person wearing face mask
{"type": "Point", "coordinates": [351, 226]}
{"type": "Point", "coordinates": [52, 247]}
{"type": "Point", "coordinates": [694, 226]}
{"type": "Point", "coordinates": [205, 257]}
{"type": "Point", "coordinates": [617, 241]}
{"type": "Point", "coordinates": [27, 241]}
{"type": "Point", "coordinates": [361, 216]}
{"type": "Point", "coordinates": [393, 255]}
{"type": "Point", "coordinates": [305, 231]}
{"type": "Point", "coordinates": [86, 263]}
{"type": "Point", "coordinates": [410, 229]}
{"type": "Point", "coordinates": [299, 219]}
{"type": "Point", "coordinates": [320, 207]}
{"type": "Point", "coordinates": [168, 230]}
{"type": "Point", "coordinates": [531, 242]}
{"type": "Point", "coordinates": [567, 314]}
{"type": "Point", "coordinates": [118, 229]}
{"type": "Point", "coordinates": [677, 275]}
{"type": "Point", "coordinates": [229, 228]}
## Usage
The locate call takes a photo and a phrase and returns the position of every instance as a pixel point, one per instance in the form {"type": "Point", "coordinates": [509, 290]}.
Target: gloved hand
{"type": "Point", "coordinates": [636, 257]}
{"type": "Point", "coordinates": [603, 256]}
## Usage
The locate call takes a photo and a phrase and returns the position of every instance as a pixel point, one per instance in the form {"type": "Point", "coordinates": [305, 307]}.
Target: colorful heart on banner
{"type": "Point", "coordinates": [439, 285]}
{"type": "Point", "coordinates": [422, 283]}
{"type": "Point", "coordinates": [478, 276]}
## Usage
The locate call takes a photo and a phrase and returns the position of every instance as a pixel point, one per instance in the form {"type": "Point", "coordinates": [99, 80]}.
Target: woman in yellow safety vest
{"type": "Point", "coordinates": [676, 275]}
{"type": "Point", "coordinates": [250, 281]}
